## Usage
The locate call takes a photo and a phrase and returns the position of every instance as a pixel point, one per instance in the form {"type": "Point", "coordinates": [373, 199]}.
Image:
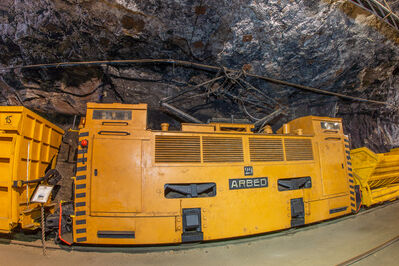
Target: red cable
{"type": "Point", "coordinates": [59, 227]}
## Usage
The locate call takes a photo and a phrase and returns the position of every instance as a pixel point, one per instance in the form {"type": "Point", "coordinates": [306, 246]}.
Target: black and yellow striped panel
{"type": "Point", "coordinates": [350, 177]}
{"type": "Point", "coordinates": [81, 191]}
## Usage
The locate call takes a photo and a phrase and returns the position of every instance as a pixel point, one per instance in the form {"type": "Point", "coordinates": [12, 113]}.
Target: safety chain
{"type": "Point", "coordinates": [43, 230]}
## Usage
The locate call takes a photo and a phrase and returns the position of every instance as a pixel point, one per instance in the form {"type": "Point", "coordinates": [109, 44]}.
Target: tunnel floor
{"type": "Point", "coordinates": [328, 243]}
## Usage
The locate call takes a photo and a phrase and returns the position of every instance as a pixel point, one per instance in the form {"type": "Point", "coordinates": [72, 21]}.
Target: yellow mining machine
{"type": "Point", "coordinates": [377, 175]}
{"type": "Point", "coordinates": [29, 146]}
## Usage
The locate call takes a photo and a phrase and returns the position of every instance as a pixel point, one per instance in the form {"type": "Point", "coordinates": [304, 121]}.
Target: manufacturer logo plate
{"type": "Point", "coordinates": [248, 170]}
{"type": "Point", "coordinates": [243, 183]}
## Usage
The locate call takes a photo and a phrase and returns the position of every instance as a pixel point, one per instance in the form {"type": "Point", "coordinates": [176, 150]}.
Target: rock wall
{"type": "Point", "coordinates": [325, 44]}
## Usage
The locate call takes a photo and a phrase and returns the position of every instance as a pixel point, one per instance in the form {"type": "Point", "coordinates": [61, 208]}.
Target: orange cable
{"type": "Point", "coordinates": [59, 227]}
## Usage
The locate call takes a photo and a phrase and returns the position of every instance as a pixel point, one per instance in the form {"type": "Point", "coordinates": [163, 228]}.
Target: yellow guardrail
{"type": "Point", "coordinates": [29, 145]}
{"type": "Point", "coordinates": [376, 174]}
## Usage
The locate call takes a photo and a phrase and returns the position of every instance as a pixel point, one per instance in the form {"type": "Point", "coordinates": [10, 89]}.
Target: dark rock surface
{"type": "Point", "coordinates": [331, 45]}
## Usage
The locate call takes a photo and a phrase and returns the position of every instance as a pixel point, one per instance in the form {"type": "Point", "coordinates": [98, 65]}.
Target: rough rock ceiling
{"type": "Point", "coordinates": [332, 45]}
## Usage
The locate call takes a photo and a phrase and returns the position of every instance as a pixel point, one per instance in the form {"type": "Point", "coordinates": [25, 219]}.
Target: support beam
{"type": "Point", "coordinates": [180, 113]}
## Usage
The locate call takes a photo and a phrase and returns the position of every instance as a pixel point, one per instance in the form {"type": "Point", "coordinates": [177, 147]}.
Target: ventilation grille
{"type": "Point", "coordinates": [298, 149]}
{"type": "Point", "coordinates": [222, 150]}
{"type": "Point", "coordinates": [266, 149]}
{"type": "Point", "coordinates": [176, 149]}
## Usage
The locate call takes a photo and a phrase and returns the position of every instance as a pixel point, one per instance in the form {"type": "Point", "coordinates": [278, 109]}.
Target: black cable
{"type": "Point", "coordinates": [198, 66]}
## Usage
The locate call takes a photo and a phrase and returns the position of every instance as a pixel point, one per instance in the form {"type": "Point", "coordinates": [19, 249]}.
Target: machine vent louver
{"type": "Point", "coordinates": [190, 190]}
{"type": "Point", "coordinates": [177, 149]}
{"type": "Point", "coordinates": [266, 149]}
{"type": "Point", "coordinates": [217, 149]}
{"type": "Point", "coordinates": [298, 149]}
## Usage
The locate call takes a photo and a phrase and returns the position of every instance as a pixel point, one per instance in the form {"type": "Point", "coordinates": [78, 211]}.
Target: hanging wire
{"type": "Point", "coordinates": [199, 66]}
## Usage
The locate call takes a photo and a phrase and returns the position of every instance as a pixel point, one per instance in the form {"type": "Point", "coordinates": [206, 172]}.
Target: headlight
{"type": "Point", "coordinates": [112, 114]}
{"type": "Point", "coordinates": [330, 125]}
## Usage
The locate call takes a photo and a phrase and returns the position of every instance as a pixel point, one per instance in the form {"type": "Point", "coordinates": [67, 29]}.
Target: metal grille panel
{"type": "Point", "coordinates": [266, 149]}
{"type": "Point", "coordinates": [385, 173]}
{"type": "Point", "coordinates": [298, 149]}
{"type": "Point", "coordinates": [177, 149]}
{"type": "Point", "coordinates": [217, 149]}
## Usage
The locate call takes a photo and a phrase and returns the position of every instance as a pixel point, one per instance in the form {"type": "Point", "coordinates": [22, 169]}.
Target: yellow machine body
{"type": "Point", "coordinates": [205, 182]}
{"type": "Point", "coordinates": [376, 174]}
{"type": "Point", "coordinates": [28, 145]}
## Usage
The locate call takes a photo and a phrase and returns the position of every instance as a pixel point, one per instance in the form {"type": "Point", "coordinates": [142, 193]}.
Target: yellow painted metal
{"type": "Point", "coordinates": [376, 174]}
{"type": "Point", "coordinates": [122, 173]}
{"type": "Point", "coordinates": [28, 145]}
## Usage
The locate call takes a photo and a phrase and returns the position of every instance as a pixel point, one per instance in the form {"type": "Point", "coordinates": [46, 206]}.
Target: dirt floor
{"type": "Point", "coordinates": [327, 243]}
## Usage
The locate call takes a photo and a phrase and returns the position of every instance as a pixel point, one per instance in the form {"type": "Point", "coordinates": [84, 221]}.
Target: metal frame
{"type": "Point", "coordinates": [383, 11]}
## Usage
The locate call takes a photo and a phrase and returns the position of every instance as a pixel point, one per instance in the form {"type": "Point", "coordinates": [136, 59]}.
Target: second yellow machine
{"type": "Point", "coordinates": [29, 146]}
{"type": "Point", "coordinates": [205, 181]}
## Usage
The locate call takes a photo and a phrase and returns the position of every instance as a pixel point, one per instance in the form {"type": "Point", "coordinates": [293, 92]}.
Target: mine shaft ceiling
{"type": "Point", "coordinates": [331, 45]}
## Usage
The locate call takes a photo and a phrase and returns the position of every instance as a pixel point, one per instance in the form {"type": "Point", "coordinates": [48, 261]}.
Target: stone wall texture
{"type": "Point", "coordinates": [332, 45]}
